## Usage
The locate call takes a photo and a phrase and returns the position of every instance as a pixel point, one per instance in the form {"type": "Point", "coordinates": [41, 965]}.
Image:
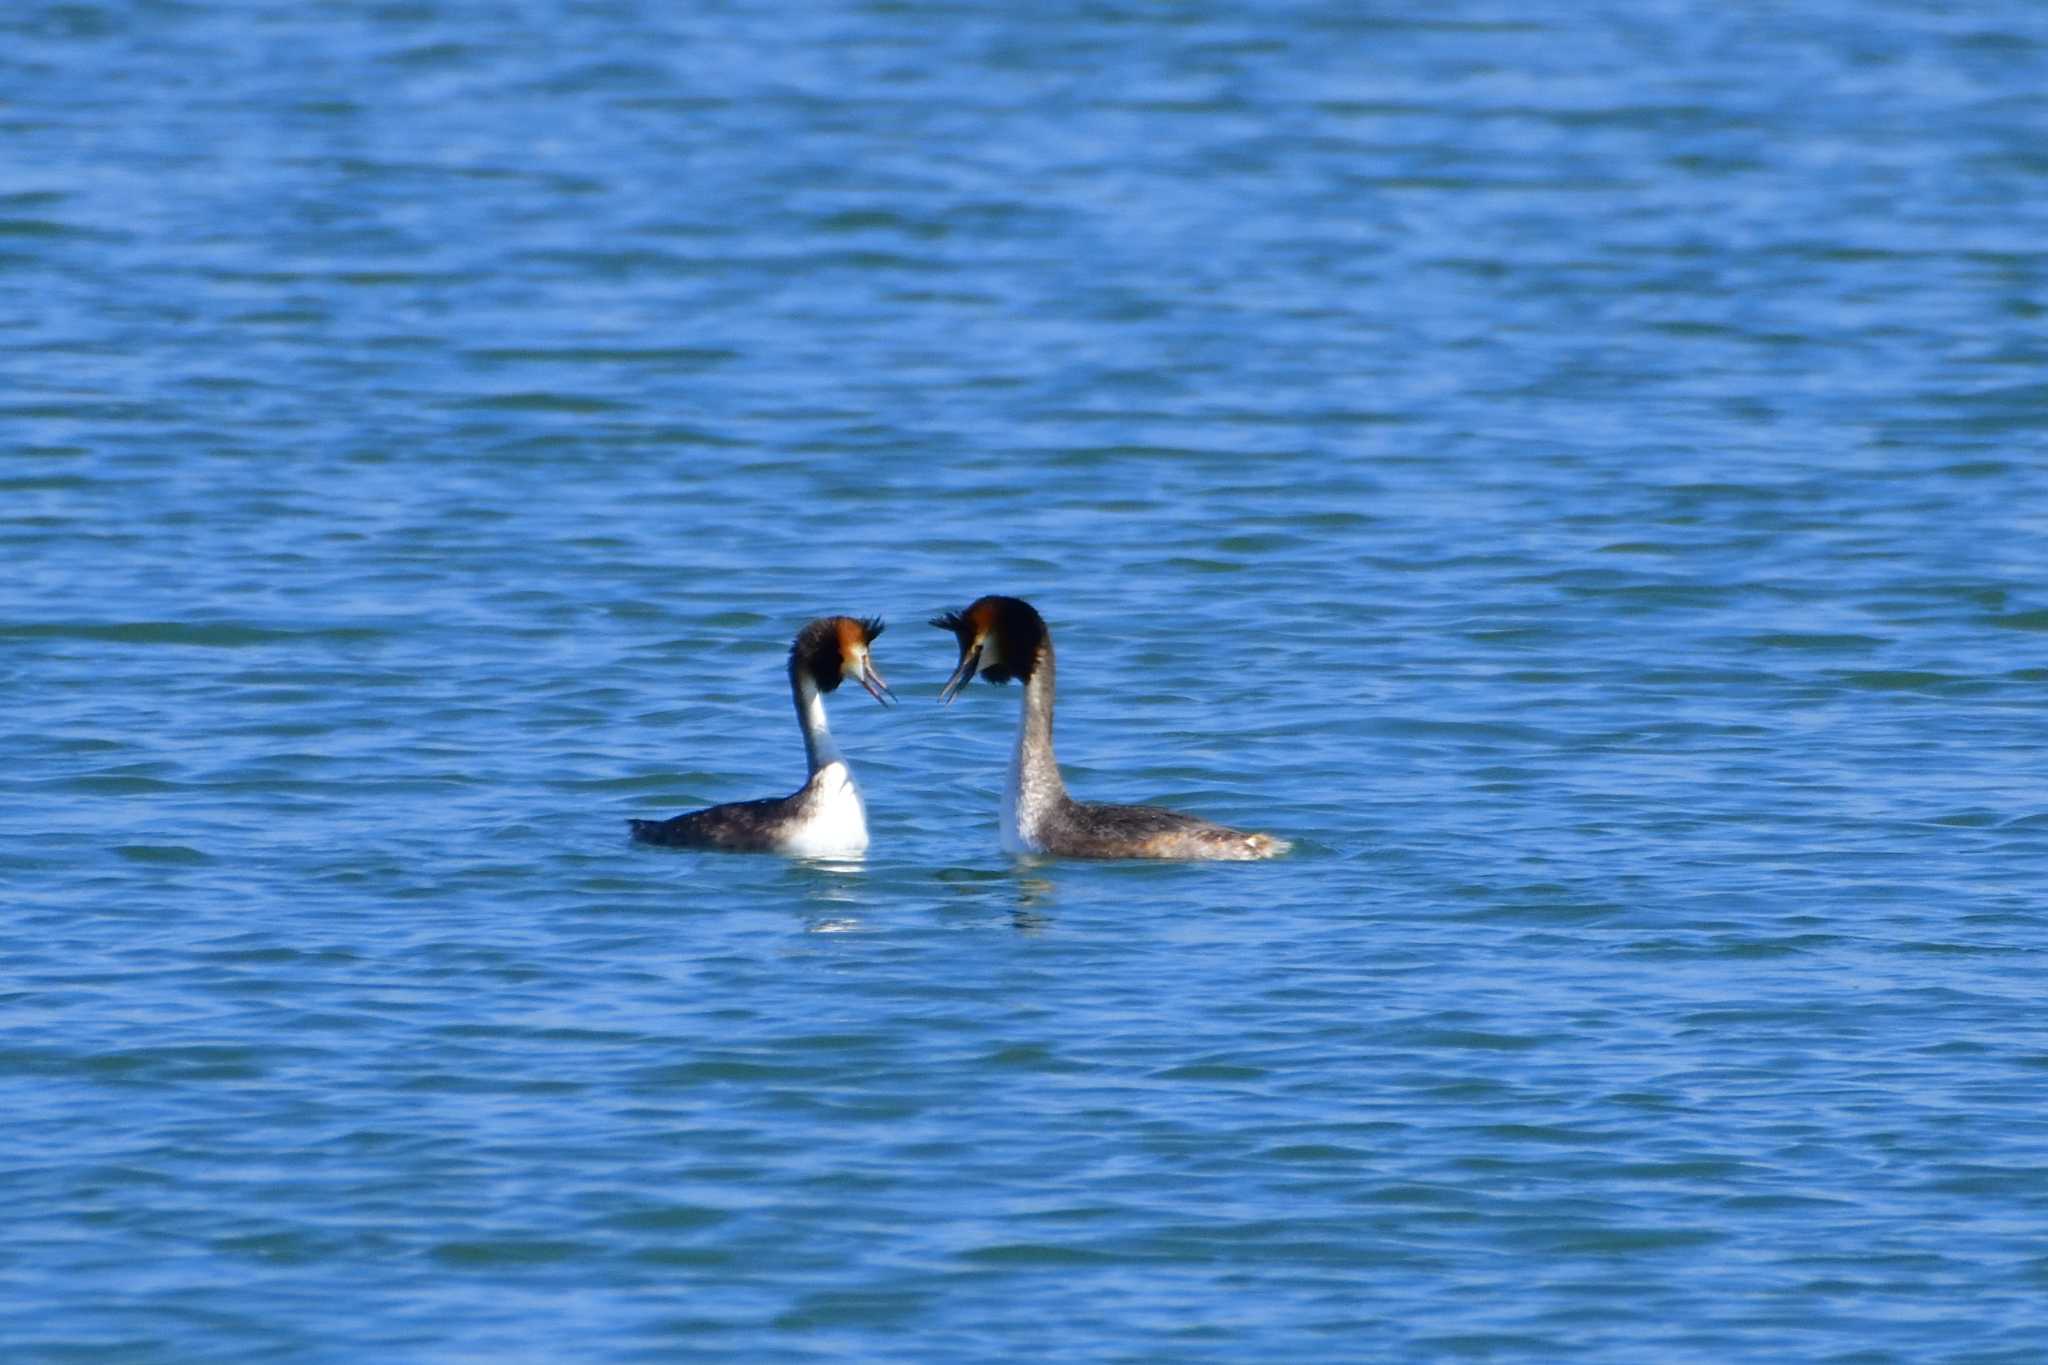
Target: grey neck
{"type": "Point", "coordinates": [1034, 772]}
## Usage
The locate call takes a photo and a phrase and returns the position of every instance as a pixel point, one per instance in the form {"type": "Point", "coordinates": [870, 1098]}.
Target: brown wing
{"type": "Point", "coordinates": [1091, 830]}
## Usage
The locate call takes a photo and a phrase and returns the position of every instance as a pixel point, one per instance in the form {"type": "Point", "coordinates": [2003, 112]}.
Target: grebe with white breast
{"type": "Point", "coordinates": [825, 817]}
{"type": "Point", "coordinates": [1005, 637]}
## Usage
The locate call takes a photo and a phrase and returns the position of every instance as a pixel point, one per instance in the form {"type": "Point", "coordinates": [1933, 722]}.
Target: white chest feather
{"type": "Point", "coordinates": [835, 821]}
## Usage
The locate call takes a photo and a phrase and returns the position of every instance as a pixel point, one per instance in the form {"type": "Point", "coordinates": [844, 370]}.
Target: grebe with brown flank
{"type": "Point", "coordinates": [1005, 638]}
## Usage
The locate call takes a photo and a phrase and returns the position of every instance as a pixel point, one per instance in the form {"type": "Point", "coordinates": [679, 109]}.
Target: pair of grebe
{"type": "Point", "coordinates": [1001, 638]}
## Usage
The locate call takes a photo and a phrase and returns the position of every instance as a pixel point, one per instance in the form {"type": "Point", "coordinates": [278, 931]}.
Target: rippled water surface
{"type": "Point", "coordinates": [1579, 471]}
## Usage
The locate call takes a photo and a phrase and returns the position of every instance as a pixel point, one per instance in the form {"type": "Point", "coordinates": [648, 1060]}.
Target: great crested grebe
{"type": "Point", "coordinates": [825, 816]}
{"type": "Point", "coordinates": [1006, 638]}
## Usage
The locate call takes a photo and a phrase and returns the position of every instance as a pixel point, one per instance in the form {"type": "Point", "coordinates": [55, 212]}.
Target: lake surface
{"type": "Point", "coordinates": [1579, 471]}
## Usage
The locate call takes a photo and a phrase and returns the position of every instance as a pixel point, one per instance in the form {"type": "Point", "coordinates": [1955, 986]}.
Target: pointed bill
{"type": "Point", "coordinates": [878, 686]}
{"type": "Point", "coordinates": [962, 675]}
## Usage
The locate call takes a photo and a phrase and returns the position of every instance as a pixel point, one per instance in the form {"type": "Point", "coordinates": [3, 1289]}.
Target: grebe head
{"type": "Point", "coordinates": [834, 648]}
{"type": "Point", "coordinates": [1002, 636]}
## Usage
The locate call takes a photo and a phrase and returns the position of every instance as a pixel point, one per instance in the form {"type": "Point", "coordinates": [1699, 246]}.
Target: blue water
{"type": "Point", "coordinates": [1578, 471]}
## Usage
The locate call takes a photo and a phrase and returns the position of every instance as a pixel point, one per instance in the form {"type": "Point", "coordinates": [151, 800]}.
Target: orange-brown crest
{"type": "Point", "coordinates": [855, 631]}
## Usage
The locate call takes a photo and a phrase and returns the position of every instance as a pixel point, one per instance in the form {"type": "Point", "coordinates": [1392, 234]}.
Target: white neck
{"type": "Point", "coordinates": [834, 822]}
{"type": "Point", "coordinates": [1034, 788]}
{"type": "Point", "coordinates": [810, 714]}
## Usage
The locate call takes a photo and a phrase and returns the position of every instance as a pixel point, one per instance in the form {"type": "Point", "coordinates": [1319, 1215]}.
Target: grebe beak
{"type": "Point", "coordinates": [877, 685]}
{"type": "Point", "coordinates": [962, 675]}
